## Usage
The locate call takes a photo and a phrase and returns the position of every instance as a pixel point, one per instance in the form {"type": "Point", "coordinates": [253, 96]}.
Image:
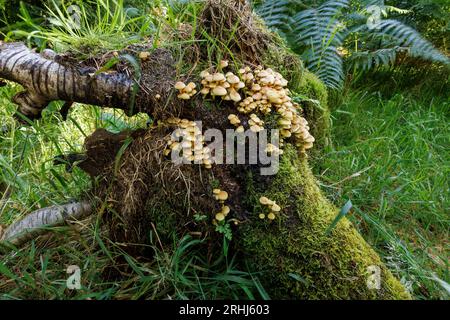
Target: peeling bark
{"type": "Point", "coordinates": [35, 223]}
{"type": "Point", "coordinates": [46, 80]}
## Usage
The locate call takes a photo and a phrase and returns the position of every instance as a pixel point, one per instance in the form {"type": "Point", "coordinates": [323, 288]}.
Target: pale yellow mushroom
{"type": "Point", "coordinates": [144, 55]}
{"type": "Point", "coordinates": [275, 208]}
{"type": "Point", "coordinates": [223, 64]}
{"type": "Point", "coordinates": [225, 210]}
{"type": "Point", "coordinates": [180, 85]}
{"type": "Point", "coordinates": [235, 96]}
{"type": "Point", "coordinates": [264, 200]}
{"type": "Point", "coordinates": [219, 91]}
{"type": "Point", "coordinates": [222, 195]}
{"type": "Point", "coordinates": [218, 77]}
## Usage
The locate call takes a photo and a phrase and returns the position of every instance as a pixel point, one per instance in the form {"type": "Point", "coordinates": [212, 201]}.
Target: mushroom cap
{"type": "Point", "coordinates": [218, 77]}
{"type": "Point", "coordinates": [262, 215]}
{"type": "Point", "coordinates": [223, 63]}
{"type": "Point", "coordinates": [205, 91]}
{"type": "Point", "coordinates": [220, 216]}
{"type": "Point", "coordinates": [256, 128]}
{"type": "Point", "coordinates": [219, 91]}
{"type": "Point", "coordinates": [264, 200]}
{"type": "Point", "coordinates": [191, 85]}
{"type": "Point", "coordinates": [285, 133]}
{"type": "Point", "coordinates": [222, 195]}
{"type": "Point", "coordinates": [235, 96]}
{"type": "Point", "coordinates": [180, 85]}
{"type": "Point", "coordinates": [204, 73]}
{"type": "Point", "coordinates": [144, 55]}
{"type": "Point", "coordinates": [184, 96]}
{"type": "Point", "coordinates": [275, 208]}
{"type": "Point", "coordinates": [284, 122]}
{"type": "Point", "coordinates": [216, 191]}
{"type": "Point", "coordinates": [233, 79]}
{"type": "Point", "coordinates": [225, 210]}
{"type": "Point", "coordinates": [271, 216]}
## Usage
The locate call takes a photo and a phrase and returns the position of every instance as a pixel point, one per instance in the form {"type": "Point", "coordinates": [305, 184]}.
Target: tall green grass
{"type": "Point", "coordinates": [391, 159]}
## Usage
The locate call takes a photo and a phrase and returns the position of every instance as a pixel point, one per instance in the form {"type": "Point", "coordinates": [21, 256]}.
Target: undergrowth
{"type": "Point", "coordinates": [391, 159]}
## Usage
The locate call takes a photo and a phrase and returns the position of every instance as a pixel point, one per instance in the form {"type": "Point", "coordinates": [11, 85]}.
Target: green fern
{"type": "Point", "coordinates": [406, 36]}
{"type": "Point", "coordinates": [320, 35]}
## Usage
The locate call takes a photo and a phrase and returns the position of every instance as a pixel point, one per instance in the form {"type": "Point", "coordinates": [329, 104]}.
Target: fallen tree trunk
{"type": "Point", "coordinates": [46, 80]}
{"type": "Point", "coordinates": [38, 222]}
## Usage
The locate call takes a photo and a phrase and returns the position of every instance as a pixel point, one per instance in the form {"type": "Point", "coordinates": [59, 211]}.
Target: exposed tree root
{"type": "Point", "coordinates": [36, 222]}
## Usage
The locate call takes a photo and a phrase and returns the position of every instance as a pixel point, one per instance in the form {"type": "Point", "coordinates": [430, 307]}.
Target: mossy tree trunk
{"type": "Point", "coordinates": [297, 255]}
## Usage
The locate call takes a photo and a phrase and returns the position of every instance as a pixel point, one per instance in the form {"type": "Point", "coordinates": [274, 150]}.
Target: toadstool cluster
{"type": "Point", "coordinates": [191, 144]}
{"type": "Point", "coordinates": [235, 121]}
{"type": "Point", "coordinates": [221, 196]}
{"type": "Point", "coordinates": [272, 149]}
{"type": "Point", "coordinates": [274, 208]}
{"type": "Point", "coordinates": [185, 91]}
{"type": "Point", "coordinates": [256, 124]}
{"type": "Point", "coordinates": [267, 91]}
{"type": "Point", "coordinates": [226, 86]}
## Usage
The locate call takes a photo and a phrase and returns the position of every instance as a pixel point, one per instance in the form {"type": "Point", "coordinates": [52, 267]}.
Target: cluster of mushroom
{"type": "Point", "coordinates": [192, 142]}
{"type": "Point", "coordinates": [265, 88]}
{"type": "Point", "coordinates": [272, 206]}
{"type": "Point", "coordinates": [222, 85]}
{"type": "Point", "coordinates": [235, 121]}
{"type": "Point", "coordinates": [185, 91]}
{"type": "Point", "coordinates": [256, 124]}
{"type": "Point", "coordinates": [221, 196]}
{"type": "Point", "coordinates": [303, 140]}
{"type": "Point", "coordinates": [273, 149]}
{"type": "Point", "coordinates": [268, 91]}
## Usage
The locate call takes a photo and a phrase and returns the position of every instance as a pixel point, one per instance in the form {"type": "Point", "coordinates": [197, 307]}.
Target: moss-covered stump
{"type": "Point", "coordinates": [295, 256]}
{"type": "Point", "coordinates": [299, 260]}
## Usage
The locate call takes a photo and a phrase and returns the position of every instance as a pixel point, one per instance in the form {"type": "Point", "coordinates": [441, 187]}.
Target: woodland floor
{"type": "Point", "coordinates": [394, 168]}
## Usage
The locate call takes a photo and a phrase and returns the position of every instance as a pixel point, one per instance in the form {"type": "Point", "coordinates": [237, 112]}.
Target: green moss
{"type": "Point", "coordinates": [297, 259]}
{"type": "Point", "coordinates": [317, 113]}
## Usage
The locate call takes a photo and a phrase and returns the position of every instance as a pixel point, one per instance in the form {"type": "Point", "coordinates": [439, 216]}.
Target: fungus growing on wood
{"type": "Point", "coordinates": [186, 92]}
{"type": "Point", "coordinates": [272, 206]}
{"type": "Point", "coordinates": [191, 142]}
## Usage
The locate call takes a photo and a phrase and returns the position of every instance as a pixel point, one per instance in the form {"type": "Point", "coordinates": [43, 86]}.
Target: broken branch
{"type": "Point", "coordinates": [35, 223]}
{"type": "Point", "coordinates": [46, 80]}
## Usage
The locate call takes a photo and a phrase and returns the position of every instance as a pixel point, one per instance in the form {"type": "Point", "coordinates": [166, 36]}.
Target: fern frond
{"type": "Point", "coordinates": [320, 31]}
{"type": "Point", "coordinates": [367, 60]}
{"type": "Point", "coordinates": [276, 14]}
{"type": "Point", "coordinates": [406, 36]}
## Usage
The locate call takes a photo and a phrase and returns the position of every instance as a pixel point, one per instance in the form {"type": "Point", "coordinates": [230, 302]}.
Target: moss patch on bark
{"type": "Point", "coordinates": [298, 260]}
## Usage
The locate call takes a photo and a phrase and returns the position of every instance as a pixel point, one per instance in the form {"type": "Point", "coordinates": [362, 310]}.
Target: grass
{"type": "Point", "coordinates": [89, 26]}
{"type": "Point", "coordinates": [391, 159]}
